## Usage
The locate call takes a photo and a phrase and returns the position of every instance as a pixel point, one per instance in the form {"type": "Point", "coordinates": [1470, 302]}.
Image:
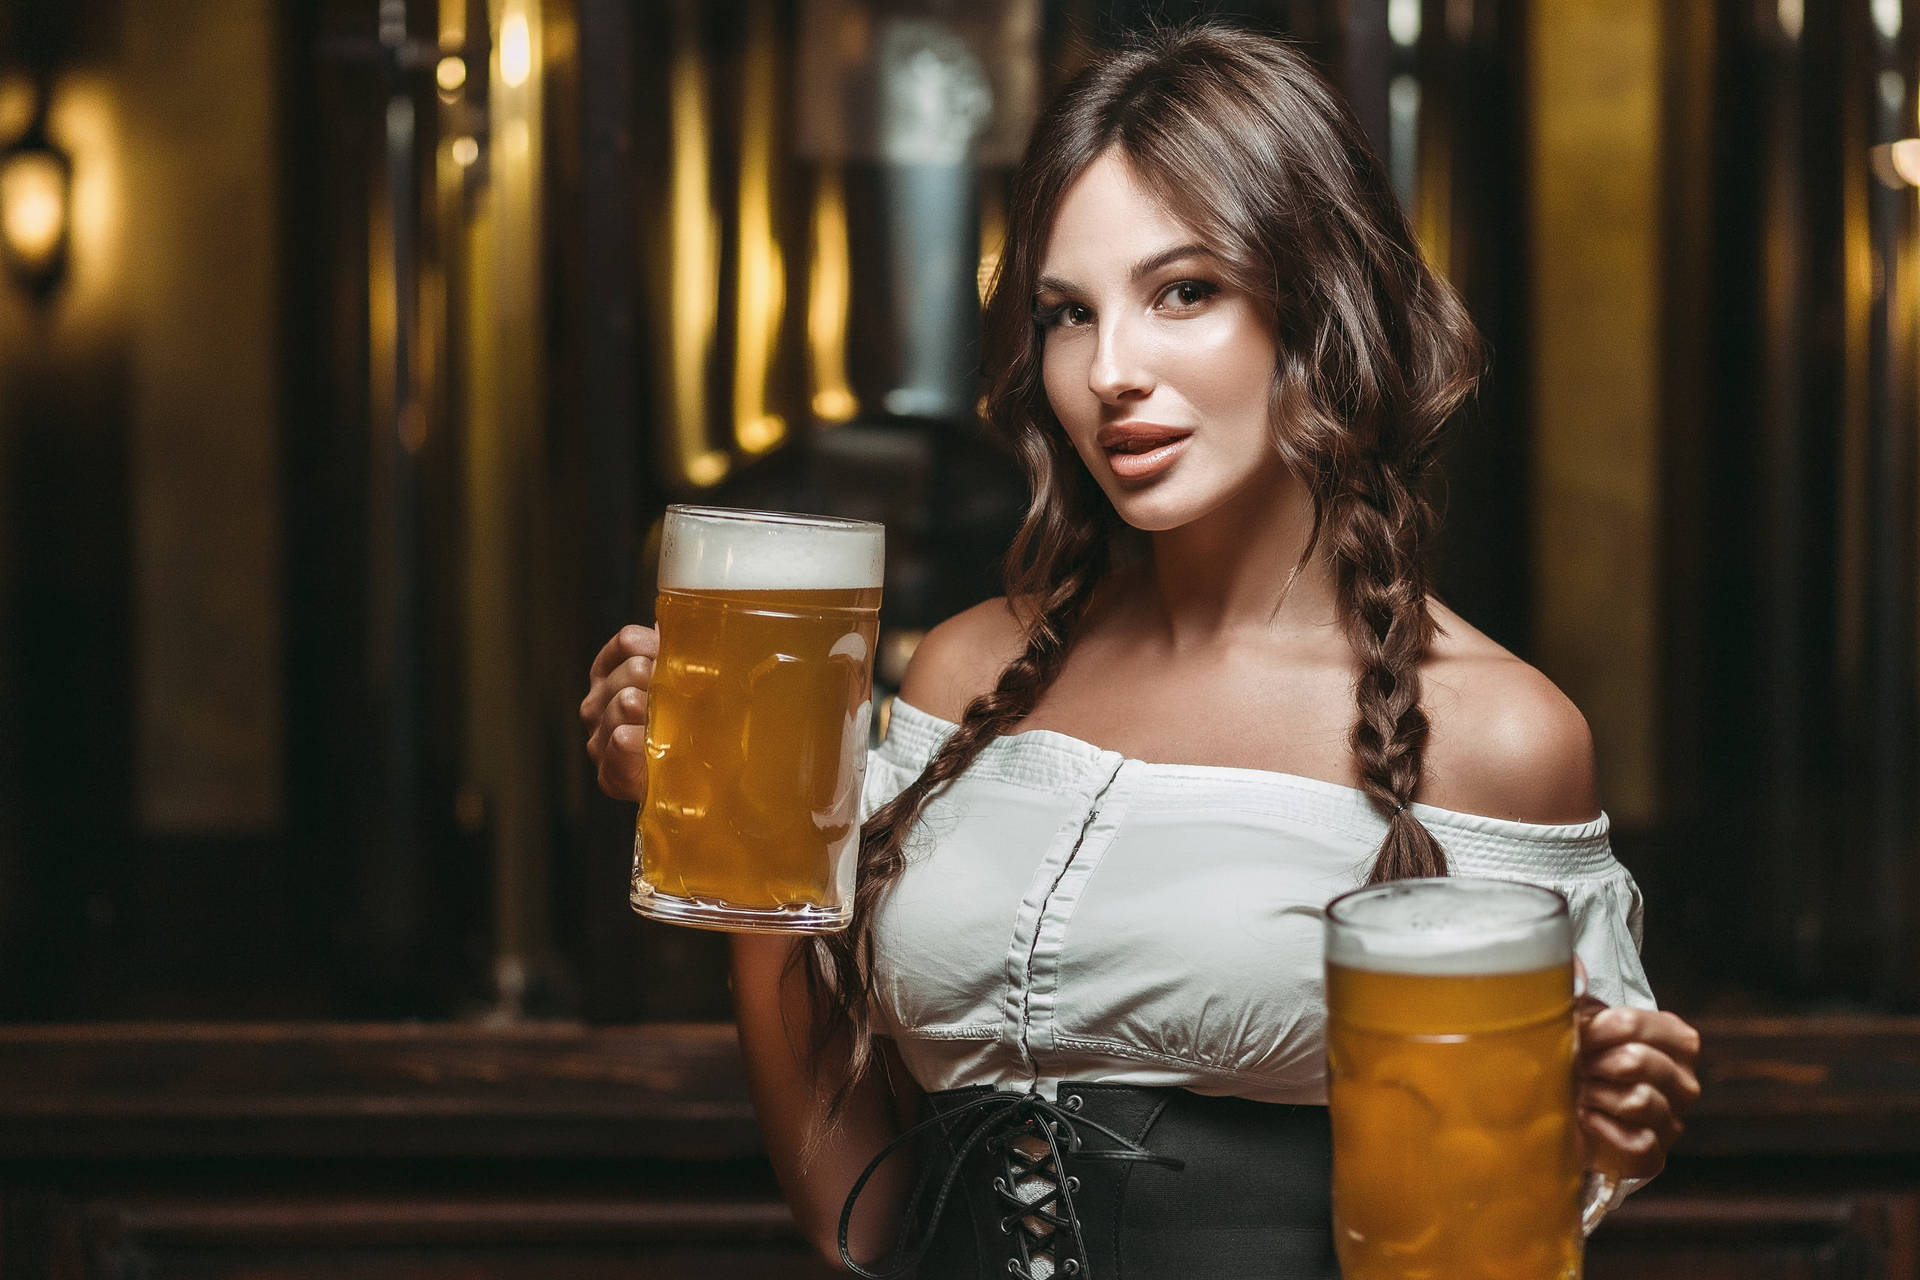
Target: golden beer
{"type": "Point", "coordinates": [757, 721]}
{"type": "Point", "coordinates": [1450, 1051]}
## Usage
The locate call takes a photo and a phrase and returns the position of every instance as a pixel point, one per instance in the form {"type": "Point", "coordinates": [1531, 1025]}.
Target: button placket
{"type": "Point", "coordinates": [1069, 862]}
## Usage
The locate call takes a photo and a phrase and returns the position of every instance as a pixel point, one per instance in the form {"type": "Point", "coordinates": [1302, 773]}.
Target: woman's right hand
{"type": "Point", "coordinates": [615, 711]}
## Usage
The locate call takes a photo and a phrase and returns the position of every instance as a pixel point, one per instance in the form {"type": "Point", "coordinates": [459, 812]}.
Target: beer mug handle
{"type": "Point", "coordinates": [1600, 1189]}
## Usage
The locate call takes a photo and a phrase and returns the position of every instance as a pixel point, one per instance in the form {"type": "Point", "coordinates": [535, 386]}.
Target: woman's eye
{"type": "Point", "coordinates": [1067, 315]}
{"type": "Point", "coordinates": [1188, 293]}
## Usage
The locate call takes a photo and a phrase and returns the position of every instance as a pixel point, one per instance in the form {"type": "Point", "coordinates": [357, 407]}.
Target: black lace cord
{"type": "Point", "coordinates": [1016, 1162]}
{"type": "Point", "coordinates": [1000, 1108]}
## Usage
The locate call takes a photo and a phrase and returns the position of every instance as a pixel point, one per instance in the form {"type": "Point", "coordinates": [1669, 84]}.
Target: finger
{"type": "Point", "coordinates": [1631, 1064]}
{"type": "Point", "coordinates": [623, 765]}
{"type": "Point", "coordinates": [627, 706]}
{"type": "Point", "coordinates": [1620, 1025]}
{"type": "Point", "coordinates": [1637, 1106]}
{"type": "Point", "coordinates": [1621, 1151]}
{"type": "Point", "coordinates": [630, 641]}
{"type": "Point", "coordinates": [634, 673]}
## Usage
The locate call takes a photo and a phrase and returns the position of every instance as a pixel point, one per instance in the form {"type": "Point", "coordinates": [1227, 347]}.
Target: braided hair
{"type": "Point", "coordinates": [1244, 142]}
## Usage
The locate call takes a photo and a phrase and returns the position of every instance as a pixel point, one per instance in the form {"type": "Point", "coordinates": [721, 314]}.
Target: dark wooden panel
{"type": "Point", "coordinates": [561, 1150]}
{"type": "Point", "coordinates": [1774, 1086]}
{"type": "Point", "coordinates": [421, 1237]}
{"type": "Point", "coordinates": [1807, 1086]}
{"type": "Point", "coordinates": [1758, 1237]}
{"type": "Point", "coordinates": [117, 1091]}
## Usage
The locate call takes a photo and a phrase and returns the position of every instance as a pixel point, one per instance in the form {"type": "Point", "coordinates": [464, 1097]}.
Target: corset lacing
{"type": "Point", "coordinates": [1012, 1126]}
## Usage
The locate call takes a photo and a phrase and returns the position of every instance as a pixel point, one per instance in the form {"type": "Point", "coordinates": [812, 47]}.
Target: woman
{"type": "Point", "coordinates": [1217, 351]}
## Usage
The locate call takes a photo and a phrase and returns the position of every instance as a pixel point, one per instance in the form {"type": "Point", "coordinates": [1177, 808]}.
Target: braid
{"type": "Point", "coordinates": [1375, 542]}
{"type": "Point", "coordinates": [840, 966]}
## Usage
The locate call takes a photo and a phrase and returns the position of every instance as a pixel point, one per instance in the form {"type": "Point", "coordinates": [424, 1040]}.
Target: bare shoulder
{"type": "Point", "coordinates": [962, 658]}
{"type": "Point", "coordinates": [1504, 741]}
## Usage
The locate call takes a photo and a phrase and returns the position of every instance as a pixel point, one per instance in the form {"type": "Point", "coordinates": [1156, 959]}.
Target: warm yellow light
{"type": "Point", "coordinates": [759, 434]}
{"type": "Point", "coordinates": [762, 276]}
{"type": "Point", "coordinates": [517, 138]}
{"type": "Point", "coordinates": [834, 404]}
{"type": "Point", "coordinates": [516, 50]}
{"type": "Point", "coordinates": [17, 97]}
{"type": "Point", "coordinates": [451, 73]}
{"type": "Point", "coordinates": [993, 238]}
{"type": "Point", "coordinates": [709, 468]}
{"type": "Point", "coordinates": [84, 120]}
{"type": "Point", "coordinates": [1792, 16]}
{"type": "Point", "coordinates": [1897, 164]}
{"type": "Point", "coordinates": [829, 290]}
{"type": "Point", "coordinates": [694, 269]}
{"type": "Point", "coordinates": [1906, 160]}
{"type": "Point", "coordinates": [464, 150]}
{"type": "Point", "coordinates": [33, 206]}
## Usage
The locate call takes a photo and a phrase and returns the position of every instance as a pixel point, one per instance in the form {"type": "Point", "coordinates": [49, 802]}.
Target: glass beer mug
{"type": "Point", "coordinates": [757, 720]}
{"type": "Point", "coordinates": [1450, 1051]}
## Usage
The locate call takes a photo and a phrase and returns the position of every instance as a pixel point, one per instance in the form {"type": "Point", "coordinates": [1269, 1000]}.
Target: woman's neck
{"type": "Point", "coordinates": [1242, 571]}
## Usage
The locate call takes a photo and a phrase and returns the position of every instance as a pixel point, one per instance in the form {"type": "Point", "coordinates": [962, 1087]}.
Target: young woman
{"type": "Point", "coordinates": [1217, 694]}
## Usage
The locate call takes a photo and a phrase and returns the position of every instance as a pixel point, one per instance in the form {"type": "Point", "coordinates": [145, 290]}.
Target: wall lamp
{"type": "Point", "coordinates": [36, 200]}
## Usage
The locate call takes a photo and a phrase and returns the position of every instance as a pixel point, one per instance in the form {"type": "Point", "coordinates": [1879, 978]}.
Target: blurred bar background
{"type": "Point", "coordinates": [350, 350]}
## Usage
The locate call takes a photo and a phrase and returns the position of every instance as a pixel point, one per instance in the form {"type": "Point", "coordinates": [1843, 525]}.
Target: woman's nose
{"type": "Point", "coordinates": [1119, 370]}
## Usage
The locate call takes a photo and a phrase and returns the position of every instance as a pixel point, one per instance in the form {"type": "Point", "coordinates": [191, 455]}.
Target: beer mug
{"type": "Point", "coordinates": [757, 720]}
{"type": "Point", "coordinates": [1450, 1052]}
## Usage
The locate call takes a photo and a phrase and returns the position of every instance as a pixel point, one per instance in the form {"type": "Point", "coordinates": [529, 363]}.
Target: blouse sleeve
{"type": "Point", "coordinates": [885, 780]}
{"type": "Point", "coordinates": [1577, 861]}
{"type": "Point", "coordinates": [897, 761]}
{"type": "Point", "coordinates": [1607, 933]}
{"type": "Point", "coordinates": [1602, 899]}
{"type": "Point", "coordinates": [1608, 930]}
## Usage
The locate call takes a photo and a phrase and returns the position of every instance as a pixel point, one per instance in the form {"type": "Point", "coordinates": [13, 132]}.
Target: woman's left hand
{"type": "Point", "coordinates": [1636, 1076]}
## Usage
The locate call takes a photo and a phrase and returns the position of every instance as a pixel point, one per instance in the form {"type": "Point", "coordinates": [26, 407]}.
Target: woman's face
{"type": "Point", "coordinates": [1158, 368]}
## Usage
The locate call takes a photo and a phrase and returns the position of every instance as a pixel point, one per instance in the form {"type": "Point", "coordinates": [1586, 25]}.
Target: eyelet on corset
{"type": "Point", "coordinates": [1006, 1226]}
{"type": "Point", "coordinates": [1000, 1185]}
{"type": "Point", "coordinates": [1013, 1266]}
{"type": "Point", "coordinates": [1073, 1184]}
{"type": "Point", "coordinates": [1070, 1267]}
{"type": "Point", "coordinates": [1071, 1102]}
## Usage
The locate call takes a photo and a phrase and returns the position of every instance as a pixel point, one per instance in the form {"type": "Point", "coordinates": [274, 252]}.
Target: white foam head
{"type": "Point", "coordinates": [718, 549]}
{"type": "Point", "coordinates": [1449, 926]}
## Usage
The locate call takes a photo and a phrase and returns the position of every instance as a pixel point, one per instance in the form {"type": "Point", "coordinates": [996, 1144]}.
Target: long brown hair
{"type": "Point", "coordinates": [1247, 145]}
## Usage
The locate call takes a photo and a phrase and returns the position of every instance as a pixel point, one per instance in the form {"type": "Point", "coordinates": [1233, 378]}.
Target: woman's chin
{"type": "Point", "coordinates": [1154, 514]}
{"type": "Point", "coordinates": [1167, 502]}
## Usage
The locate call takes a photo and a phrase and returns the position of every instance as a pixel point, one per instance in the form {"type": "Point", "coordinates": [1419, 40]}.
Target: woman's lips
{"type": "Point", "coordinates": [1151, 462]}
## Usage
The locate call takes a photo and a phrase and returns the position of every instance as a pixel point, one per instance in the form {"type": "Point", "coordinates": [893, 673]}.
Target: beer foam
{"type": "Point", "coordinates": [717, 549]}
{"type": "Point", "coordinates": [1449, 926]}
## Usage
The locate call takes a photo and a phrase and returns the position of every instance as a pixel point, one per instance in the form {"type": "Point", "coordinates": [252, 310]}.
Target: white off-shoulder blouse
{"type": "Point", "coordinates": [1068, 913]}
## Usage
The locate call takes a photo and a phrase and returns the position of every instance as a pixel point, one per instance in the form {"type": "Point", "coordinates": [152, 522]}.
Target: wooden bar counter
{"type": "Point", "coordinates": [563, 1150]}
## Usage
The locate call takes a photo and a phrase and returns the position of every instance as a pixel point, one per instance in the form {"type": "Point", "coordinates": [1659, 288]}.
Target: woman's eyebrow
{"type": "Point", "coordinates": [1145, 267]}
{"type": "Point", "coordinates": [1148, 265]}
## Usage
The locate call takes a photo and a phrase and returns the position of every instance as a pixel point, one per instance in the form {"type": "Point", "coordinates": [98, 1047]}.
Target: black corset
{"type": "Point", "coordinates": [1113, 1181]}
